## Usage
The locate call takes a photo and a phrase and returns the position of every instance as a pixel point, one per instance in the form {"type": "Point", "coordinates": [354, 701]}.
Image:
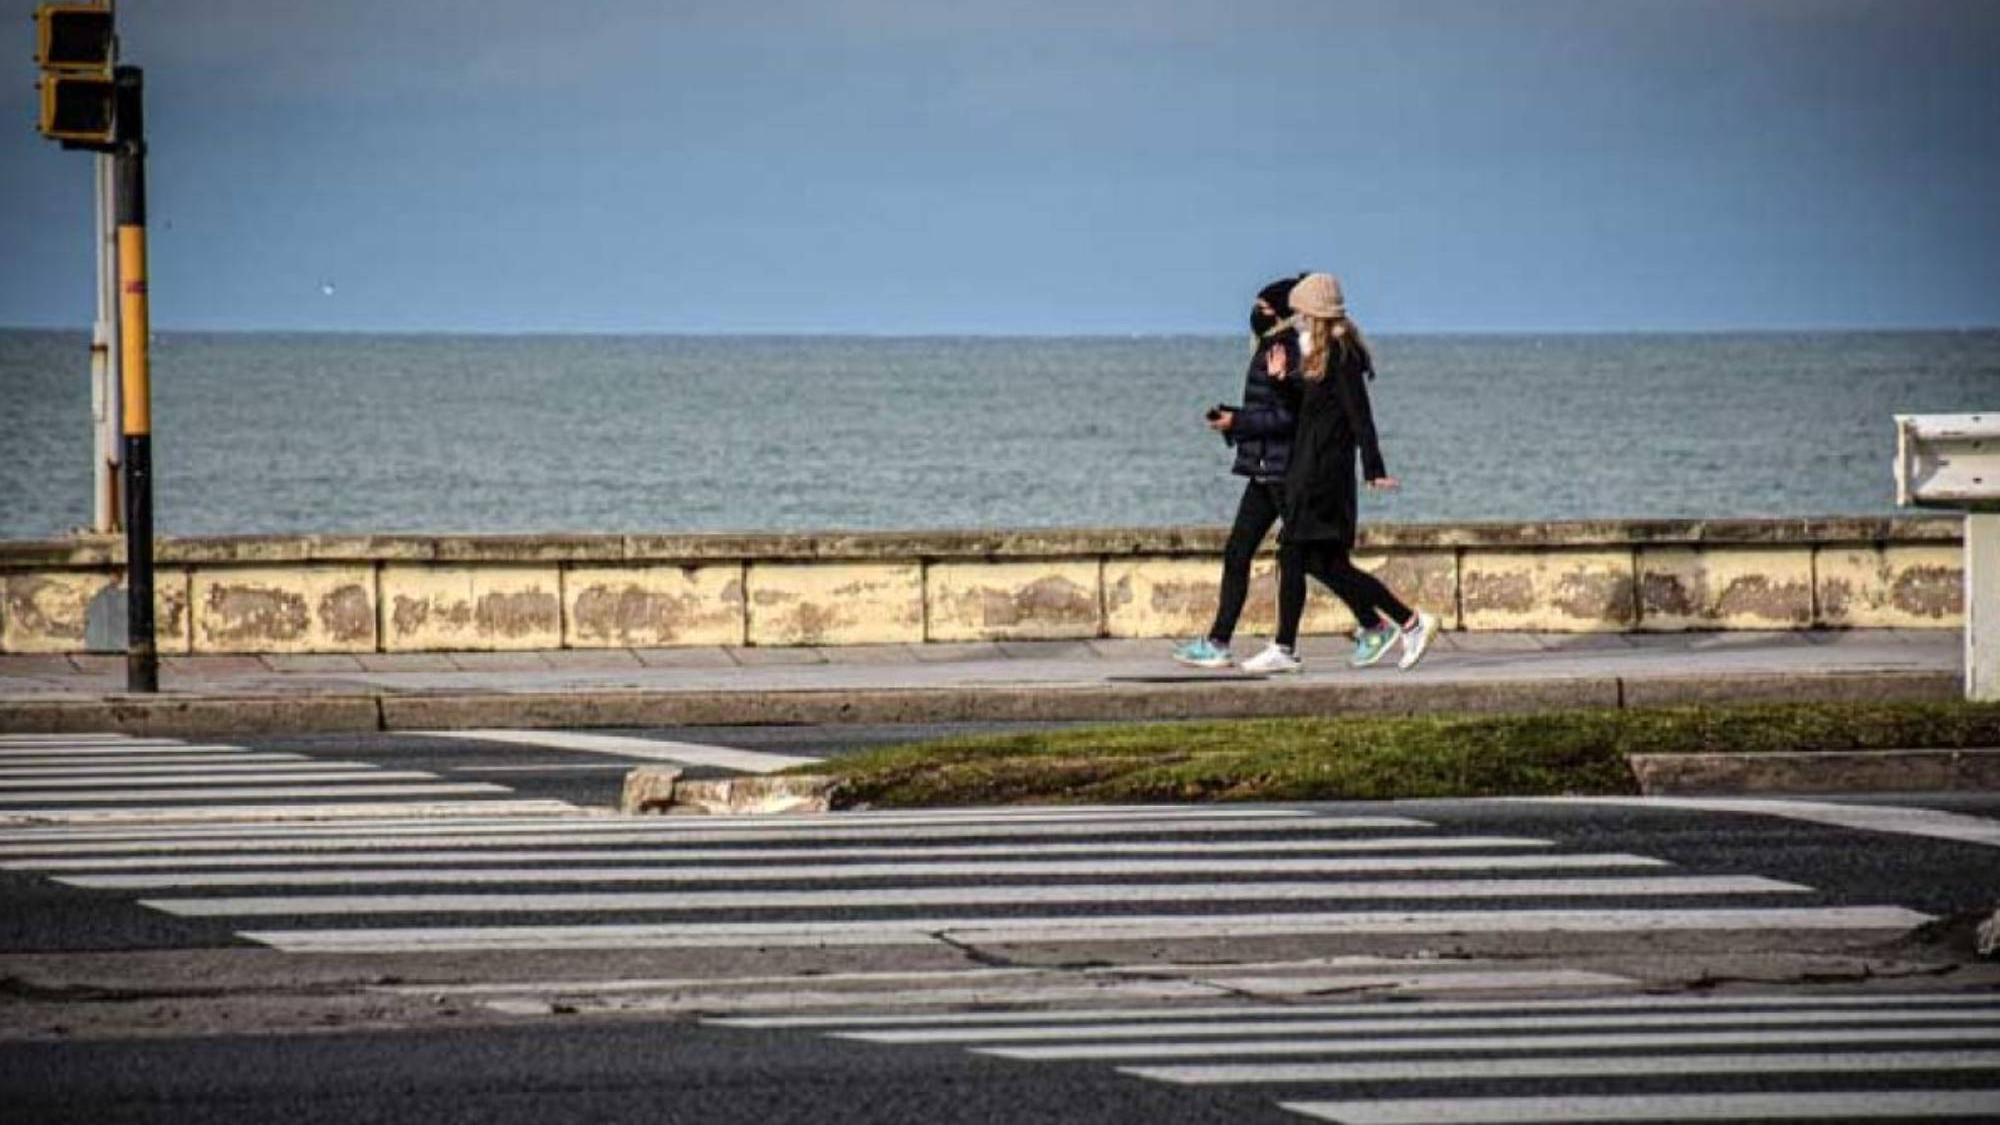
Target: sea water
{"type": "Point", "coordinates": [265, 433]}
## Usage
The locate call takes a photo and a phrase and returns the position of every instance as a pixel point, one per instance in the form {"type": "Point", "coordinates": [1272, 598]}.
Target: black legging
{"type": "Point", "coordinates": [1254, 517]}
{"type": "Point", "coordinates": [1364, 594]}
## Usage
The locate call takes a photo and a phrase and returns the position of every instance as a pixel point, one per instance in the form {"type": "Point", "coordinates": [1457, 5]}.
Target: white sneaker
{"type": "Point", "coordinates": [1416, 639]}
{"type": "Point", "coordinates": [1274, 659]}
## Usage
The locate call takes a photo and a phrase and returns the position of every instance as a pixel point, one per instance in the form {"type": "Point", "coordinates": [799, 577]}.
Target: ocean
{"type": "Point", "coordinates": [268, 433]}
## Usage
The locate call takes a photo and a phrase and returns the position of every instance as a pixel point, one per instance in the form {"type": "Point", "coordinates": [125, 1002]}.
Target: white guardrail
{"type": "Point", "coordinates": [1953, 461]}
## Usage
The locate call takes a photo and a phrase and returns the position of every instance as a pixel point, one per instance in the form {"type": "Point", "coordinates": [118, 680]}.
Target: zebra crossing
{"type": "Point", "coordinates": [1897, 1057]}
{"type": "Point", "coordinates": [1054, 875]}
{"type": "Point", "coordinates": [110, 778]}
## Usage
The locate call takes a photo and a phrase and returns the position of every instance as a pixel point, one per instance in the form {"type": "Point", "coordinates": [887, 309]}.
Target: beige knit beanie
{"type": "Point", "coordinates": [1318, 294]}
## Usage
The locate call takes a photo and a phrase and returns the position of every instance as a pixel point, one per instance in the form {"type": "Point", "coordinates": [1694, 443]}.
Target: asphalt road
{"type": "Point", "coordinates": [569, 985]}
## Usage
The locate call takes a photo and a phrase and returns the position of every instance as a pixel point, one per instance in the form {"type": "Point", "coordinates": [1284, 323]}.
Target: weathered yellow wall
{"type": "Point", "coordinates": [653, 606]}
{"type": "Point", "coordinates": [1684, 588]}
{"type": "Point", "coordinates": [284, 609]}
{"type": "Point", "coordinates": [835, 603]}
{"type": "Point", "coordinates": [334, 594]}
{"type": "Point", "coordinates": [1892, 586]}
{"type": "Point", "coordinates": [1548, 591]}
{"type": "Point", "coordinates": [431, 608]}
{"type": "Point", "coordinates": [989, 601]}
{"type": "Point", "coordinates": [48, 611]}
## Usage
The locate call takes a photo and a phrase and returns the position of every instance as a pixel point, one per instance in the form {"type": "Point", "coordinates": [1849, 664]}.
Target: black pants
{"type": "Point", "coordinates": [1255, 514]}
{"type": "Point", "coordinates": [1364, 594]}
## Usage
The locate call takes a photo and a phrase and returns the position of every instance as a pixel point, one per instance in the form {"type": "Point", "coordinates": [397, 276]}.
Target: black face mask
{"type": "Point", "coordinates": [1277, 295]}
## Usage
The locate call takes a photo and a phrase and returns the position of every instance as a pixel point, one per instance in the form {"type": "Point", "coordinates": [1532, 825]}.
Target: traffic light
{"type": "Point", "coordinates": [74, 46]}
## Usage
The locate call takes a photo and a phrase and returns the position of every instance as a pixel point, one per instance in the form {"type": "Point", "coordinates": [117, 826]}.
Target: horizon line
{"type": "Point", "coordinates": [557, 333]}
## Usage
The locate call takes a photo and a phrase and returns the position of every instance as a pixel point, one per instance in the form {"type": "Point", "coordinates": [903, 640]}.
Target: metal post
{"type": "Point", "coordinates": [1982, 606]}
{"type": "Point", "coordinates": [142, 661]}
{"type": "Point", "coordinates": [104, 388]}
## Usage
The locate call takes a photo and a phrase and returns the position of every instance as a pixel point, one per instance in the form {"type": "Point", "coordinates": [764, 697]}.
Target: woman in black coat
{"type": "Point", "coordinates": [1320, 506]}
{"type": "Point", "coordinates": [1261, 431]}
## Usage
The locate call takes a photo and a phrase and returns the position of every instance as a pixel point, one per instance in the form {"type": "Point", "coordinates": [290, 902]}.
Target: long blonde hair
{"type": "Point", "coordinates": [1327, 334]}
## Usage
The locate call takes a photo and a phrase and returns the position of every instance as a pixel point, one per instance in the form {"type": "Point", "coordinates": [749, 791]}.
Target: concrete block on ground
{"type": "Point", "coordinates": [1834, 771]}
{"type": "Point", "coordinates": [49, 611]}
{"type": "Point", "coordinates": [1892, 586]}
{"type": "Point", "coordinates": [653, 606]}
{"type": "Point", "coordinates": [1557, 591]}
{"type": "Point", "coordinates": [444, 608]}
{"type": "Point", "coordinates": [1783, 687]}
{"type": "Point", "coordinates": [835, 603]}
{"type": "Point", "coordinates": [284, 609]}
{"type": "Point", "coordinates": [648, 789]}
{"type": "Point", "coordinates": [1684, 588]}
{"type": "Point", "coordinates": [980, 601]}
{"type": "Point", "coordinates": [656, 789]}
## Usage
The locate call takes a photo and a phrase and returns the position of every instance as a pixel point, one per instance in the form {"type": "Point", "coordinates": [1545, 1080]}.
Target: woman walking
{"type": "Point", "coordinates": [1321, 509]}
{"type": "Point", "coordinates": [1261, 430]}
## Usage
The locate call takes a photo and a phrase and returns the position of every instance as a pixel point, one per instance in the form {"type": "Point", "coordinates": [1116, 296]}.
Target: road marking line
{"type": "Point", "coordinates": [360, 811]}
{"type": "Point", "coordinates": [123, 750]}
{"type": "Point", "coordinates": [84, 736]}
{"type": "Point", "coordinates": [641, 749]}
{"type": "Point", "coordinates": [1376, 1009]}
{"type": "Point", "coordinates": [263, 775]}
{"type": "Point", "coordinates": [823, 872]}
{"type": "Point", "coordinates": [1566, 1046]}
{"type": "Point", "coordinates": [1433, 1070]}
{"type": "Point", "coordinates": [652, 828]}
{"type": "Point", "coordinates": [1869, 818]}
{"type": "Point", "coordinates": [1102, 893]}
{"type": "Point", "coordinates": [1356, 1026]}
{"type": "Point", "coordinates": [552, 767]}
{"type": "Point", "coordinates": [226, 792]}
{"type": "Point", "coordinates": [469, 853]}
{"type": "Point", "coordinates": [1097, 929]}
{"type": "Point", "coordinates": [1269, 820]}
{"type": "Point", "coordinates": [1896, 1104]}
{"type": "Point", "coordinates": [35, 767]}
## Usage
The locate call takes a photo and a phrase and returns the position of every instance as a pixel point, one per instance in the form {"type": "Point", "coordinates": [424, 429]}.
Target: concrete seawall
{"type": "Point", "coordinates": [434, 593]}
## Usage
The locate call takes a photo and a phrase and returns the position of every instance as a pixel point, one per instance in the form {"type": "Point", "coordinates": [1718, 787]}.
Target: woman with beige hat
{"type": "Point", "coordinates": [1321, 502]}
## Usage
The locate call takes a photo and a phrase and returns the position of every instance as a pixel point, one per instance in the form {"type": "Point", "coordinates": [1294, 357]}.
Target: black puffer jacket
{"type": "Point", "coordinates": [1262, 431]}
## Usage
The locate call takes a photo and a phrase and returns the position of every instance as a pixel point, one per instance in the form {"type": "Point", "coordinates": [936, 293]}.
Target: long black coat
{"type": "Point", "coordinates": [1335, 422]}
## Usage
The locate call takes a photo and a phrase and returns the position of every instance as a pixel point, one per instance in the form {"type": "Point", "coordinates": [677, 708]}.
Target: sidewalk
{"type": "Point", "coordinates": [1099, 679]}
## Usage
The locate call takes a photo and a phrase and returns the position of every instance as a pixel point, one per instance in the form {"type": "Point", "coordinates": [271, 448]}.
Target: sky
{"type": "Point", "coordinates": [1035, 166]}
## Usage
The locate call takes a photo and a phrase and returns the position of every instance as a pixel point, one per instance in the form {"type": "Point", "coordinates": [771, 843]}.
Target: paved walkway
{"type": "Point", "coordinates": [1065, 679]}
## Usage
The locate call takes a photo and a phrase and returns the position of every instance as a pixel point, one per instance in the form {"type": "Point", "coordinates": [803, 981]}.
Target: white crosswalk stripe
{"type": "Point", "coordinates": [1491, 1062]}
{"type": "Point", "coordinates": [636, 749]}
{"type": "Point", "coordinates": [78, 780]}
{"type": "Point", "coordinates": [1061, 875]}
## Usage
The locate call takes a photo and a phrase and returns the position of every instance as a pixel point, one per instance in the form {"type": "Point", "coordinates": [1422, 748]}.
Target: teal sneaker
{"type": "Point", "coordinates": [1370, 644]}
{"type": "Point", "coordinates": [1203, 653]}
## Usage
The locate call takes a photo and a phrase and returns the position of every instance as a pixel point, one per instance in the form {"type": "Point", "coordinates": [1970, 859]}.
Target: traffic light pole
{"type": "Point", "coordinates": [142, 659]}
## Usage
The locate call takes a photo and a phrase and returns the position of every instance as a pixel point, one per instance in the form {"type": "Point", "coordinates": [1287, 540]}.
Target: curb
{"type": "Point", "coordinates": [660, 790]}
{"type": "Point", "coordinates": [1827, 771]}
{"type": "Point", "coordinates": [244, 715]}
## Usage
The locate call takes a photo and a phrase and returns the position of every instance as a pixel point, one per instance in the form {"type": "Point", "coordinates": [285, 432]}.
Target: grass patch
{"type": "Point", "coordinates": [1378, 758]}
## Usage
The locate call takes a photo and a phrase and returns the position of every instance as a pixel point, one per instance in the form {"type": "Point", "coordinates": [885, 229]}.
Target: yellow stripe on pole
{"type": "Point", "coordinates": [132, 332]}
